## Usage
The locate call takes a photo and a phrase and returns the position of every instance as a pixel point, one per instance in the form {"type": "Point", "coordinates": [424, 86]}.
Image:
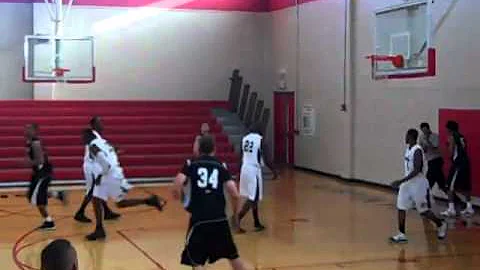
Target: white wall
{"type": "Point", "coordinates": [15, 23]}
{"type": "Point", "coordinates": [320, 80]}
{"type": "Point", "coordinates": [168, 55]}
{"type": "Point", "coordinates": [384, 110]}
{"type": "Point", "coordinates": [367, 142]}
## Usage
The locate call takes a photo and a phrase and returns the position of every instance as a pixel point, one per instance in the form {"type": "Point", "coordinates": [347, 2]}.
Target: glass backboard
{"type": "Point", "coordinates": [404, 30]}
{"type": "Point", "coordinates": [59, 59]}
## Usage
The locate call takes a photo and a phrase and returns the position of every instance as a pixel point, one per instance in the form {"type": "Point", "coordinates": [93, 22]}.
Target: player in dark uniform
{"type": "Point", "coordinates": [209, 237]}
{"type": "Point", "coordinates": [460, 171]}
{"type": "Point", "coordinates": [41, 176]}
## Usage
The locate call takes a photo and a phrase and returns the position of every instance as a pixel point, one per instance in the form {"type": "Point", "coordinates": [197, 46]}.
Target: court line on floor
{"type": "Point", "coordinates": [342, 264]}
{"type": "Point", "coordinates": [144, 253]}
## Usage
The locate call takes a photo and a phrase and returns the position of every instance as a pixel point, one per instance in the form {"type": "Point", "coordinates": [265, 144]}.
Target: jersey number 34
{"type": "Point", "coordinates": [206, 179]}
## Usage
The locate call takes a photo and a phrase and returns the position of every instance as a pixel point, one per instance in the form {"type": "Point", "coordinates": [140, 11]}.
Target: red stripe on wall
{"type": "Point", "coordinates": [282, 4]}
{"type": "Point", "coordinates": [222, 5]}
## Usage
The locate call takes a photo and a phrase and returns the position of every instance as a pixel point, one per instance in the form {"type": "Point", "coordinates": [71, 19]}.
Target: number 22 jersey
{"type": "Point", "coordinates": [207, 176]}
{"type": "Point", "coordinates": [251, 147]}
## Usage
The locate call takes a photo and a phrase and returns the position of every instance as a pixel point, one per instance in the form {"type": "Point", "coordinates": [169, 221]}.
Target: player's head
{"type": "Point", "coordinates": [31, 130]}
{"type": "Point", "coordinates": [96, 124]}
{"type": "Point", "coordinates": [59, 255]}
{"type": "Point", "coordinates": [204, 129]}
{"type": "Point", "coordinates": [206, 145]}
{"type": "Point", "coordinates": [87, 136]}
{"type": "Point", "coordinates": [256, 128]}
{"type": "Point", "coordinates": [452, 127]}
{"type": "Point", "coordinates": [411, 137]}
{"type": "Point", "coordinates": [425, 128]}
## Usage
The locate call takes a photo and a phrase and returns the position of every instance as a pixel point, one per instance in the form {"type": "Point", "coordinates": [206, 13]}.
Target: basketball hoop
{"type": "Point", "coordinates": [60, 72]}
{"type": "Point", "coordinates": [397, 60]}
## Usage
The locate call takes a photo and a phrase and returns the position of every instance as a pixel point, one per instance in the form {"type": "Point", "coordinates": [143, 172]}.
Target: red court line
{"type": "Point", "coordinates": [16, 249]}
{"type": "Point", "coordinates": [159, 266]}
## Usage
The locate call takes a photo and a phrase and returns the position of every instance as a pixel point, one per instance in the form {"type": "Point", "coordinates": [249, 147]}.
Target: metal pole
{"type": "Point", "coordinates": [58, 33]}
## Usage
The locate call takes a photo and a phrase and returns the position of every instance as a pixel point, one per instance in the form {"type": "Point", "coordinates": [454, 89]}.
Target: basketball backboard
{"type": "Point", "coordinates": [403, 31]}
{"type": "Point", "coordinates": [59, 59]}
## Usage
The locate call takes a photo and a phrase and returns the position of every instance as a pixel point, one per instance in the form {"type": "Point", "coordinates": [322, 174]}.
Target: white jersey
{"type": "Point", "coordinates": [110, 156]}
{"type": "Point", "coordinates": [409, 163]}
{"type": "Point", "coordinates": [87, 157]}
{"type": "Point", "coordinates": [251, 147]}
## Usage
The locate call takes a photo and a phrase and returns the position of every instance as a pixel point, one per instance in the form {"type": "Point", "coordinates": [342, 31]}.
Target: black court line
{"type": "Point", "coordinates": [144, 253]}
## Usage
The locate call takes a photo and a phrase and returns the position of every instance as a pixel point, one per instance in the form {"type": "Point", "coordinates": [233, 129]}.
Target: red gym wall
{"type": "Point", "coordinates": [468, 121]}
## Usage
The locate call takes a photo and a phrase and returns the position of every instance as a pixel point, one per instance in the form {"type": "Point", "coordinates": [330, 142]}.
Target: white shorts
{"type": "Point", "coordinates": [90, 171]}
{"type": "Point", "coordinates": [251, 182]}
{"type": "Point", "coordinates": [111, 187]}
{"type": "Point", "coordinates": [414, 194]}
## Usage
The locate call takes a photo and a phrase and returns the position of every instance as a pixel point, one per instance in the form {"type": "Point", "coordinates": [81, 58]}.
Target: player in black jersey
{"type": "Point", "coordinates": [209, 237]}
{"type": "Point", "coordinates": [41, 176]}
{"type": "Point", "coordinates": [460, 171]}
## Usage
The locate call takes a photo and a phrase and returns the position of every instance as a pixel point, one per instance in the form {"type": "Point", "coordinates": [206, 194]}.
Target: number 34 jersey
{"type": "Point", "coordinates": [204, 191]}
{"type": "Point", "coordinates": [251, 146]}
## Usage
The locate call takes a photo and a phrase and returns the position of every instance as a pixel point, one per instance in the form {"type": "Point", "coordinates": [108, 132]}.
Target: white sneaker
{"type": "Point", "coordinates": [449, 213]}
{"type": "Point", "coordinates": [442, 230]}
{"type": "Point", "coordinates": [399, 238]}
{"type": "Point", "coordinates": [468, 212]}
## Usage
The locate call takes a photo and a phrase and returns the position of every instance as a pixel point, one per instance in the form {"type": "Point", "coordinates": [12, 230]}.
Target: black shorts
{"type": "Point", "coordinates": [435, 173]}
{"type": "Point", "coordinates": [209, 242]}
{"type": "Point", "coordinates": [459, 178]}
{"type": "Point", "coordinates": [38, 190]}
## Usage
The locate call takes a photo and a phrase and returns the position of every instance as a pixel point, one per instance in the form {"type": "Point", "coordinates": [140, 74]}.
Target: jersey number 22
{"type": "Point", "coordinates": [248, 147]}
{"type": "Point", "coordinates": [205, 179]}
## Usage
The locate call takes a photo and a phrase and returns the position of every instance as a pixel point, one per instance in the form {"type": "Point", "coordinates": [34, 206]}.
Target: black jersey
{"type": "Point", "coordinates": [47, 167]}
{"type": "Point", "coordinates": [459, 155]}
{"type": "Point", "coordinates": [207, 176]}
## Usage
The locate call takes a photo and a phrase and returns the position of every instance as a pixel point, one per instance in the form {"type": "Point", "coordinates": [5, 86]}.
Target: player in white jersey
{"type": "Point", "coordinates": [414, 189]}
{"type": "Point", "coordinates": [88, 169]}
{"type": "Point", "coordinates": [108, 177]}
{"type": "Point", "coordinates": [251, 182]}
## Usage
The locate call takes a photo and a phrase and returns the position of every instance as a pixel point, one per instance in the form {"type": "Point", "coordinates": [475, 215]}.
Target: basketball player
{"type": "Point", "coordinates": [88, 168]}
{"type": "Point", "coordinates": [251, 182]}
{"type": "Point", "coordinates": [459, 175]}
{"type": "Point", "coordinates": [204, 130]}
{"type": "Point", "coordinates": [108, 183]}
{"type": "Point", "coordinates": [59, 255]}
{"type": "Point", "coordinates": [414, 189]}
{"type": "Point", "coordinates": [209, 238]}
{"type": "Point", "coordinates": [429, 141]}
{"type": "Point", "coordinates": [41, 176]}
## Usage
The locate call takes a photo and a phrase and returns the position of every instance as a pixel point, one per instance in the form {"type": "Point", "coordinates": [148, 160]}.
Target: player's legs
{"type": "Point", "coordinates": [256, 219]}
{"type": "Point", "coordinates": [422, 196]}
{"type": "Point", "coordinates": [80, 215]}
{"type": "Point", "coordinates": [465, 188]}
{"type": "Point", "coordinates": [99, 232]}
{"type": "Point", "coordinates": [404, 202]}
{"type": "Point", "coordinates": [246, 206]}
{"type": "Point", "coordinates": [89, 174]}
{"type": "Point", "coordinates": [38, 196]}
{"type": "Point", "coordinates": [452, 178]}
{"type": "Point", "coordinates": [435, 174]}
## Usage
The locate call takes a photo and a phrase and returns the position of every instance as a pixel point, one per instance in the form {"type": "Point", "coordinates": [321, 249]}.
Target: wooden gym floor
{"type": "Point", "coordinates": [313, 223]}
